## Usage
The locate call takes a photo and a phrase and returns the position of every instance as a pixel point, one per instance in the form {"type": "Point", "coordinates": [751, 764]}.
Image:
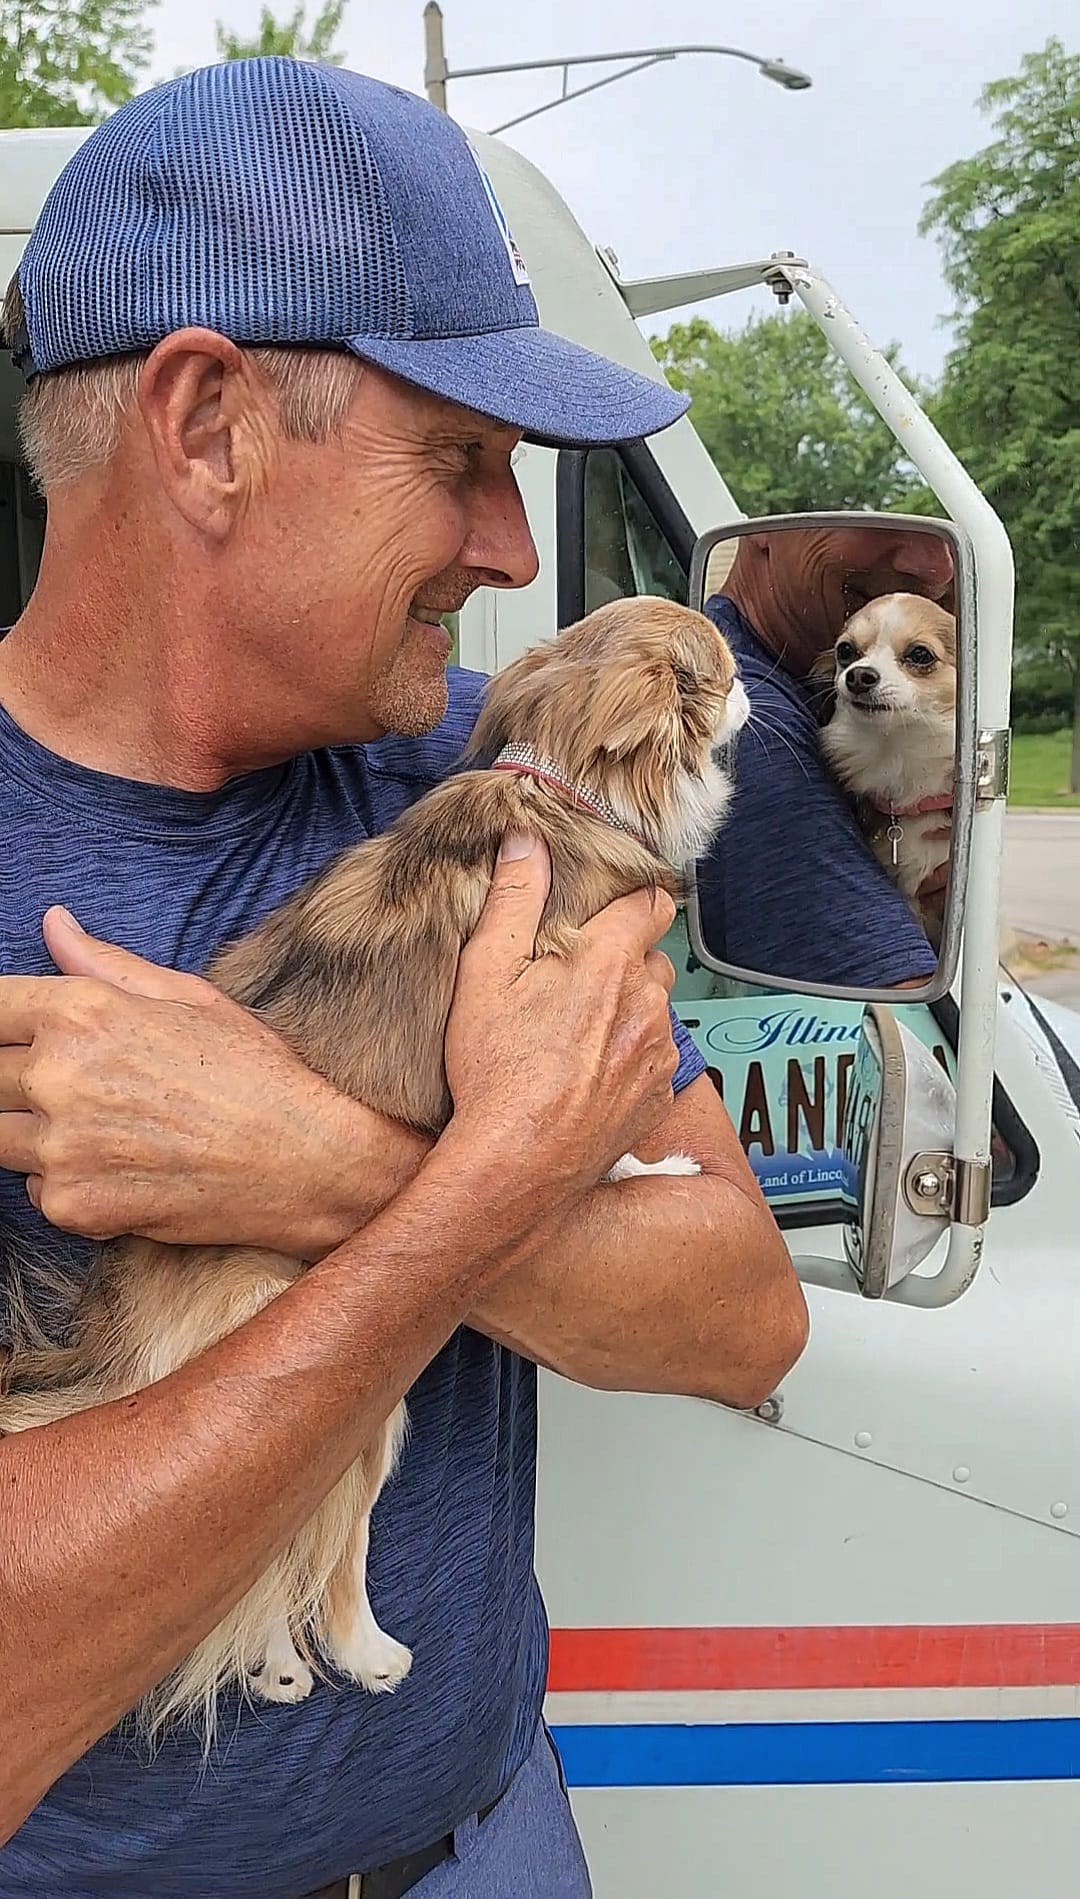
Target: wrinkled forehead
{"type": "Point", "coordinates": [839, 551]}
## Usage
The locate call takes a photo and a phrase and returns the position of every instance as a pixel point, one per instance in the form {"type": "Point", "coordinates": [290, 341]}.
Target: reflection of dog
{"type": "Point", "coordinates": [892, 735]}
{"type": "Point", "coordinates": [604, 744]}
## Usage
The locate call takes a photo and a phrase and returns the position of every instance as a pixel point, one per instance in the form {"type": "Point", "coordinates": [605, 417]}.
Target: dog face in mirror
{"type": "Point", "coordinates": [891, 739]}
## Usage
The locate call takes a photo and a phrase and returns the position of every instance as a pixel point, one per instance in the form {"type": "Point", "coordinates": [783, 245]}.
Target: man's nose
{"type": "Point", "coordinates": [861, 680]}
{"type": "Point", "coordinates": [499, 546]}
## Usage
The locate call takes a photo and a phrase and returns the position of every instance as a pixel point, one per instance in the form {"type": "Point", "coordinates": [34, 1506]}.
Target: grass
{"type": "Point", "coordinates": [1039, 773]}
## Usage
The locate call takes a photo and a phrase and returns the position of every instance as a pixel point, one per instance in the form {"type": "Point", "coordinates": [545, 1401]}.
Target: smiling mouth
{"type": "Point", "coordinates": [428, 622]}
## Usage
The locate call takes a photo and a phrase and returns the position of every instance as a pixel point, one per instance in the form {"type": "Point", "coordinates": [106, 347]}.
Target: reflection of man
{"type": "Point", "coordinates": [792, 888]}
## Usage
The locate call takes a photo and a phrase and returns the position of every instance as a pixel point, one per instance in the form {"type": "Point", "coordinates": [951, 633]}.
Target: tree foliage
{"type": "Point", "coordinates": [1008, 221]}
{"type": "Point", "coordinates": [784, 422]}
{"type": "Point", "coordinates": [69, 62]}
{"type": "Point", "coordinates": [290, 37]}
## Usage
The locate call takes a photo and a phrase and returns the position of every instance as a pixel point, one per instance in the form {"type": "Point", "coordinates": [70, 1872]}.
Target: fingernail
{"type": "Point", "coordinates": [517, 844]}
{"type": "Point", "coordinates": [69, 919]}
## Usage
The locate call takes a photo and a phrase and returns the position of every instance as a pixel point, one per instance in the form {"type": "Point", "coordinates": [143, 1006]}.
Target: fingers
{"type": "Point", "coordinates": [505, 936]}
{"type": "Point", "coordinates": [23, 1001]}
{"type": "Point", "coordinates": [659, 967]}
{"type": "Point", "coordinates": [12, 1065]}
{"type": "Point", "coordinates": [19, 1135]}
{"type": "Point", "coordinates": [634, 923]}
{"type": "Point", "coordinates": [76, 953]}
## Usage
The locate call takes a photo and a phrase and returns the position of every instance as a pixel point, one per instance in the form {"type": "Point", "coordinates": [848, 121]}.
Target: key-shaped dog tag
{"type": "Point", "coordinates": [894, 834]}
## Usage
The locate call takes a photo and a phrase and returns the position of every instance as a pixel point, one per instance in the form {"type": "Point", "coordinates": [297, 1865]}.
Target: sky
{"type": "Point", "coordinates": [701, 162]}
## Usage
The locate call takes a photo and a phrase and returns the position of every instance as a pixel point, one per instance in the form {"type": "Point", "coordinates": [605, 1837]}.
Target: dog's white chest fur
{"type": "Point", "coordinates": [897, 765]}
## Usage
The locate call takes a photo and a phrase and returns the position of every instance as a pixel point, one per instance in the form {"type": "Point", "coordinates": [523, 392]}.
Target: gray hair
{"type": "Point", "coordinates": [71, 420]}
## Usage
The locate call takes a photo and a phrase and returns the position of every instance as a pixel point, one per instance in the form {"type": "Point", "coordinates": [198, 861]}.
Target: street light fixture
{"type": "Point", "coordinates": [437, 73]}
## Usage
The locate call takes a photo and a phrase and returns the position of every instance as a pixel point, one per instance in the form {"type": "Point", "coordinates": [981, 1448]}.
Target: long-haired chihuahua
{"type": "Point", "coordinates": [605, 743]}
{"type": "Point", "coordinates": [891, 739]}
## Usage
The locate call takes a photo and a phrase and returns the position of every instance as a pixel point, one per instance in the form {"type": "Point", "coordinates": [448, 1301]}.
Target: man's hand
{"type": "Point", "coordinates": [140, 1100]}
{"type": "Point", "coordinates": [934, 887]}
{"type": "Point", "coordinates": [137, 1099]}
{"type": "Point", "coordinates": [932, 894]}
{"type": "Point", "coordinates": [558, 1065]}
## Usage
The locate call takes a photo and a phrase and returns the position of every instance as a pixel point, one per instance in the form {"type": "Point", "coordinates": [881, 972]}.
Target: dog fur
{"type": "Point", "coordinates": [895, 746]}
{"type": "Point", "coordinates": [356, 973]}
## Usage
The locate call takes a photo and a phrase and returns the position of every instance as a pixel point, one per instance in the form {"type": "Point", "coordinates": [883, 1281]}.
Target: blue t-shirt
{"type": "Point", "coordinates": [292, 1797]}
{"type": "Point", "coordinates": [791, 886]}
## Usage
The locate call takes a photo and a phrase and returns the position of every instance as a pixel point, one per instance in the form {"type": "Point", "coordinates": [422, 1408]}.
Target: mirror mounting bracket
{"type": "Point", "coordinates": [936, 1184]}
{"type": "Point", "coordinates": [992, 765]}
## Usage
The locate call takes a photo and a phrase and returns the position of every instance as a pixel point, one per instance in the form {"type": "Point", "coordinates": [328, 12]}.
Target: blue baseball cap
{"type": "Point", "coordinates": [281, 202]}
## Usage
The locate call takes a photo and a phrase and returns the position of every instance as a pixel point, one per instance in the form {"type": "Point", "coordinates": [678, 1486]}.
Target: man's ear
{"type": "Point", "coordinates": [211, 421]}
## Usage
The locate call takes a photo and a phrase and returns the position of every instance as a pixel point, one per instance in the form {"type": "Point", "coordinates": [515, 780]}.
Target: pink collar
{"type": "Point", "coordinates": [943, 803]}
{"type": "Point", "coordinates": [527, 763]}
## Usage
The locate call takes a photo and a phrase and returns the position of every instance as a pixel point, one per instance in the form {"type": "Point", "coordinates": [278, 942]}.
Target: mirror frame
{"type": "Point", "coordinates": [965, 771]}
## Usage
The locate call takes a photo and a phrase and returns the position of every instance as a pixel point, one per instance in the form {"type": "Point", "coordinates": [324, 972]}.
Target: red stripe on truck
{"type": "Point", "coordinates": [981, 1655]}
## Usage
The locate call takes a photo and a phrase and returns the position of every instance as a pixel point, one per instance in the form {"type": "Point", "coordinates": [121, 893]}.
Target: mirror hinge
{"type": "Point", "coordinates": [936, 1184]}
{"type": "Point", "coordinates": [992, 766]}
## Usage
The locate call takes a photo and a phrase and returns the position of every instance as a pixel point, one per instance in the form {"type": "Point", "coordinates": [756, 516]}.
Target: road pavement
{"type": "Point", "coordinates": [1041, 878]}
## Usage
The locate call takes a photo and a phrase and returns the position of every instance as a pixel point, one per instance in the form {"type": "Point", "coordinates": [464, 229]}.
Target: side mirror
{"type": "Point", "coordinates": [897, 1154]}
{"type": "Point", "coordinates": [856, 639]}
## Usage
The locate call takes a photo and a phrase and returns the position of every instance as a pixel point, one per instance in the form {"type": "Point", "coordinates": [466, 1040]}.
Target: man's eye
{"type": "Point", "coordinates": [461, 456]}
{"type": "Point", "coordinates": [920, 656]}
{"type": "Point", "coordinates": [846, 651]}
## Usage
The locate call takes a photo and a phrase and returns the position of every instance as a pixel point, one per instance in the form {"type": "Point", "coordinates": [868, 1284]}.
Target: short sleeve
{"type": "Point", "coordinates": [691, 1063]}
{"type": "Point", "coordinates": [791, 888]}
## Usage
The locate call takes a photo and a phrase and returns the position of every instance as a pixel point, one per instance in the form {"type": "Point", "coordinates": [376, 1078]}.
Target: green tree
{"type": "Point", "coordinates": [69, 62]}
{"type": "Point", "coordinates": [1008, 220]}
{"type": "Point", "coordinates": [782, 419]}
{"type": "Point", "coordinates": [290, 37]}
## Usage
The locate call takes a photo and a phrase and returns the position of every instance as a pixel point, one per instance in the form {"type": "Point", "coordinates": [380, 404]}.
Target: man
{"type": "Point", "coordinates": [280, 349]}
{"type": "Point", "coordinates": [833, 914]}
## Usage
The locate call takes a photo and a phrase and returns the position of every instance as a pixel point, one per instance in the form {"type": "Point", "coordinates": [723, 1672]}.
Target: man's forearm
{"type": "Point", "coordinates": [360, 1161]}
{"type": "Point", "coordinates": [659, 1284]}
{"type": "Point", "coordinates": [145, 1520]}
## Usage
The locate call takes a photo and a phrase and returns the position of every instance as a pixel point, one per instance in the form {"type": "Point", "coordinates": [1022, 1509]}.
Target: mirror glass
{"type": "Point", "coordinates": [840, 866]}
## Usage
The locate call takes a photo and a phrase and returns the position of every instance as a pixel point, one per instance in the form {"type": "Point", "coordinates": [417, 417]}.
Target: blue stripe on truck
{"type": "Point", "coordinates": [819, 1753]}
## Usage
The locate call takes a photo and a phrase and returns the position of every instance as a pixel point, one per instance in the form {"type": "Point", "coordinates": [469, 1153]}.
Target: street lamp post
{"type": "Point", "coordinates": [437, 72]}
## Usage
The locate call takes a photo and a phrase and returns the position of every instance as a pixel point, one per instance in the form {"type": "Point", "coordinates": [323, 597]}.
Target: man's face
{"type": "Point", "coordinates": [355, 548]}
{"type": "Point", "coordinates": [819, 577]}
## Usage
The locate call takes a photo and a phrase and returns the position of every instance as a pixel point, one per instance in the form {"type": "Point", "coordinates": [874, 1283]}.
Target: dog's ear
{"type": "Point", "coordinates": [821, 680]}
{"type": "Point", "coordinates": [636, 707]}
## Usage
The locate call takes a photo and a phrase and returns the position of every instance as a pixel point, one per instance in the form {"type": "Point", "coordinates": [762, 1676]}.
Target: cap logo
{"type": "Point", "coordinates": [517, 262]}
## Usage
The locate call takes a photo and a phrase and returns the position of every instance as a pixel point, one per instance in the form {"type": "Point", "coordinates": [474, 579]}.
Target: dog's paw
{"type": "Point", "coordinates": [630, 1168]}
{"type": "Point", "coordinates": [286, 1682]}
{"type": "Point", "coordinates": [282, 1675]}
{"type": "Point", "coordinates": [375, 1660]}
